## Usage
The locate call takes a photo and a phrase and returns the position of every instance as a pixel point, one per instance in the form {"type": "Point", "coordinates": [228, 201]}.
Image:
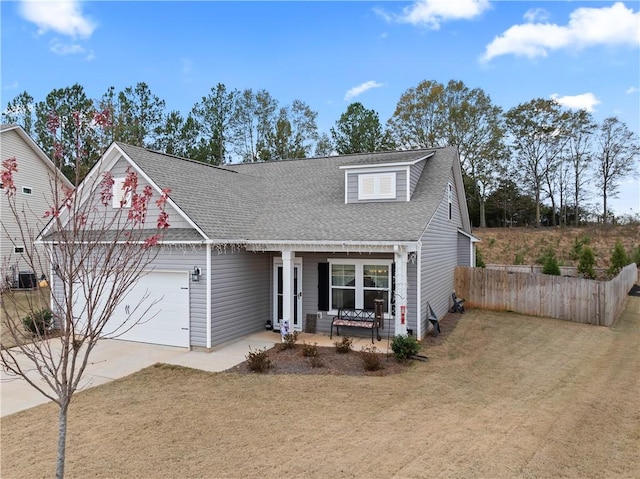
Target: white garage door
{"type": "Point", "coordinates": [166, 322]}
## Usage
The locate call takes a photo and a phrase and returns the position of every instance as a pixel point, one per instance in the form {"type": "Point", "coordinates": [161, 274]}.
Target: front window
{"type": "Point", "coordinates": [343, 286]}
{"type": "Point", "coordinates": [356, 283]}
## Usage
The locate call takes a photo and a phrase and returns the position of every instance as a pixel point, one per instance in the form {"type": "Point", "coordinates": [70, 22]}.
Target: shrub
{"type": "Point", "coordinates": [576, 249]}
{"type": "Point", "coordinates": [479, 261]}
{"type": "Point", "coordinates": [370, 358]}
{"type": "Point", "coordinates": [258, 361]}
{"type": "Point", "coordinates": [39, 322]}
{"type": "Point", "coordinates": [587, 262]}
{"type": "Point", "coordinates": [492, 241]}
{"type": "Point", "coordinates": [519, 258]}
{"type": "Point", "coordinates": [344, 345]}
{"type": "Point", "coordinates": [404, 347]}
{"type": "Point", "coordinates": [289, 341]}
{"type": "Point", "coordinates": [619, 259]}
{"type": "Point", "coordinates": [315, 362]}
{"type": "Point", "coordinates": [310, 350]}
{"type": "Point", "coordinates": [550, 264]}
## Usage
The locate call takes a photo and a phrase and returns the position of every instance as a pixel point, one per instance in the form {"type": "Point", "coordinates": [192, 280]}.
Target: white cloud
{"type": "Point", "coordinates": [11, 86]}
{"type": "Point", "coordinates": [585, 101]}
{"type": "Point", "coordinates": [431, 13]}
{"type": "Point", "coordinates": [63, 17]}
{"type": "Point", "coordinates": [536, 15]}
{"type": "Point", "coordinates": [358, 90]}
{"type": "Point", "coordinates": [632, 89]}
{"type": "Point", "coordinates": [615, 25]}
{"type": "Point", "coordinates": [60, 48]}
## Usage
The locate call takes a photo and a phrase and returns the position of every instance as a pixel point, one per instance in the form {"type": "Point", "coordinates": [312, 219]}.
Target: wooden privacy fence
{"type": "Point", "coordinates": [573, 299]}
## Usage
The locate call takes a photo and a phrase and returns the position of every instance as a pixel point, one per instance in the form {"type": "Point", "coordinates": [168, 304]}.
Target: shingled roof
{"type": "Point", "coordinates": [296, 200]}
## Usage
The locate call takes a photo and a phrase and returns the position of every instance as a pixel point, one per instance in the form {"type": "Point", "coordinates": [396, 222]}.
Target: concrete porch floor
{"type": "Point", "coordinates": [323, 340]}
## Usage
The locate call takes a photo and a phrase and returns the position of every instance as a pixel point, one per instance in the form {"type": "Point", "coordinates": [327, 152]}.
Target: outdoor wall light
{"type": "Point", "coordinates": [195, 274]}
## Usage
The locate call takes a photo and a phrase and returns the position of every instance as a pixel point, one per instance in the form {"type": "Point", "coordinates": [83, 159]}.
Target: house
{"type": "Point", "coordinates": [297, 240]}
{"type": "Point", "coordinates": [34, 196]}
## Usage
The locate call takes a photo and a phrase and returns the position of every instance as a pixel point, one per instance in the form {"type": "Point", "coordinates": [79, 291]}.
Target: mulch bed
{"type": "Point", "coordinates": [292, 361]}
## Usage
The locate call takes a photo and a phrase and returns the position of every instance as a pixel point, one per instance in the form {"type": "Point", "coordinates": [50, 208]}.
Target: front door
{"type": "Point", "coordinates": [278, 296]}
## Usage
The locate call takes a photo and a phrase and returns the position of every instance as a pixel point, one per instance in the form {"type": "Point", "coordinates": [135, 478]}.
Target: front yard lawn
{"type": "Point", "coordinates": [502, 396]}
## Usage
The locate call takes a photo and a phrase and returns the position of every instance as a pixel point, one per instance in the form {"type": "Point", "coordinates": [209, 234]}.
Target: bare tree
{"type": "Point", "coordinates": [617, 154]}
{"type": "Point", "coordinates": [580, 155]}
{"type": "Point", "coordinates": [537, 137]}
{"type": "Point", "coordinates": [98, 242]}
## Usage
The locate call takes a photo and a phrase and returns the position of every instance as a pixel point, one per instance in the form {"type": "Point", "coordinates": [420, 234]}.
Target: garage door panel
{"type": "Point", "coordinates": [166, 297]}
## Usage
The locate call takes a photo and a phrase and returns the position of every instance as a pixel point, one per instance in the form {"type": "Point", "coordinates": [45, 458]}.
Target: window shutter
{"type": "Point", "coordinates": [323, 286]}
{"type": "Point", "coordinates": [386, 186]}
{"type": "Point", "coordinates": [368, 186]}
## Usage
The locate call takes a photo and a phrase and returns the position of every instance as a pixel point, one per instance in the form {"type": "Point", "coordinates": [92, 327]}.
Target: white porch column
{"type": "Point", "coordinates": [288, 259]}
{"type": "Point", "coordinates": [400, 258]}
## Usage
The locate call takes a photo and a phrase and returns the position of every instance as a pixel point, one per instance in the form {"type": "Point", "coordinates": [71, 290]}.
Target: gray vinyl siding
{"type": "Point", "coordinates": [401, 187]}
{"type": "Point", "coordinates": [464, 250]}
{"type": "Point", "coordinates": [240, 294]}
{"type": "Point", "coordinates": [416, 171]}
{"type": "Point", "coordinates": [35, 174]}
{"type": "Point", "coordinates": [440, 255]}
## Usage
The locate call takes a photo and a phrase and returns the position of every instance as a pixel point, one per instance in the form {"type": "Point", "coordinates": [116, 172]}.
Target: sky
{"type": "Point", "coordinates": [585, 54]}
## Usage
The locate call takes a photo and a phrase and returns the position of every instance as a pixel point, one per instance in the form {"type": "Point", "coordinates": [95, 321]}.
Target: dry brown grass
{"type": "Point", "coordinates": [501, 245]}
{"type": "Point", "coordinates": [502, 396]}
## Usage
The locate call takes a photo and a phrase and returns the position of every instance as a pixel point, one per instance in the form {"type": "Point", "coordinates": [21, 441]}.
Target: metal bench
{"type": "Point", "coordinates": [356, 318]}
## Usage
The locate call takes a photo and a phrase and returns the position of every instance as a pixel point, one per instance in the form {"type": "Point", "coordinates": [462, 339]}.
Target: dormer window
{"type": "Point", "coordinates": [377, 186]}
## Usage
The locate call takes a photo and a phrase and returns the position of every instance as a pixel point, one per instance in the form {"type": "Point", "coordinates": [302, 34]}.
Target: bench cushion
{"type": "Point", "coordinates": [356, 324]}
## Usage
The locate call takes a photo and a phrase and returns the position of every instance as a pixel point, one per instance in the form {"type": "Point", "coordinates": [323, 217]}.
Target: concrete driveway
{"type": "Point", "coordinates": [112, 359]}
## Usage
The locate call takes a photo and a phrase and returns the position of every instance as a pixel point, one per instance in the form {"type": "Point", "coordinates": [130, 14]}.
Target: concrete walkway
{"type": "Point", "coordinates": [112, 359]}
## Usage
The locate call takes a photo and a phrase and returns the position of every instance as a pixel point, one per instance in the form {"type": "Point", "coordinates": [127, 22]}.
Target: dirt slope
{"type": "Point", "coordinates": [502, 245]}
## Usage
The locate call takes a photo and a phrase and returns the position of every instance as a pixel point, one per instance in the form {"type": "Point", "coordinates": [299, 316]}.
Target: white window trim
{"type": "Point", "coordinates": [24, 192]}
{"type": "Point", "coordinates": [359, 286]}
{"type": "Point", "coordinates": [377, 180]}
{"type": "Point", "coordinates": [450, 201]}
{"type": "Point", "coordinates": [117, 194]}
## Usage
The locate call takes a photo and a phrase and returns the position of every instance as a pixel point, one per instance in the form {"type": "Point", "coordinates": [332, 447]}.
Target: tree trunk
{"type": "Point", "coordinates": [483, 219]}
{"type": "Point", "coordinates": [604, 201]}
{"type": "Point", "coordinates": [62, 440]}
{"type": "Point", "coordinates": [537, 207]}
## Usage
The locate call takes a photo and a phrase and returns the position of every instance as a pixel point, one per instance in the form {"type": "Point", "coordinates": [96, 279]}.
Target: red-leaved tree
{"type": "Point", "coordinates": [100, 238]}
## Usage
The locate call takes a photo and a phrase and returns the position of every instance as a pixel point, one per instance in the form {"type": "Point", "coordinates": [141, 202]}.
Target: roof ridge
{"type": "Point", "coordinates": [349, 155]}
{"type": "Point", "coordinates": [175, 157]}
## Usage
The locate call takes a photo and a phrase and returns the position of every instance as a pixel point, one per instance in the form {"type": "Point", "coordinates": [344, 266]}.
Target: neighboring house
{"type": "Point", "coordinates": [33, 181]}
{"type": "Point", "coordinates": [298, 239]}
